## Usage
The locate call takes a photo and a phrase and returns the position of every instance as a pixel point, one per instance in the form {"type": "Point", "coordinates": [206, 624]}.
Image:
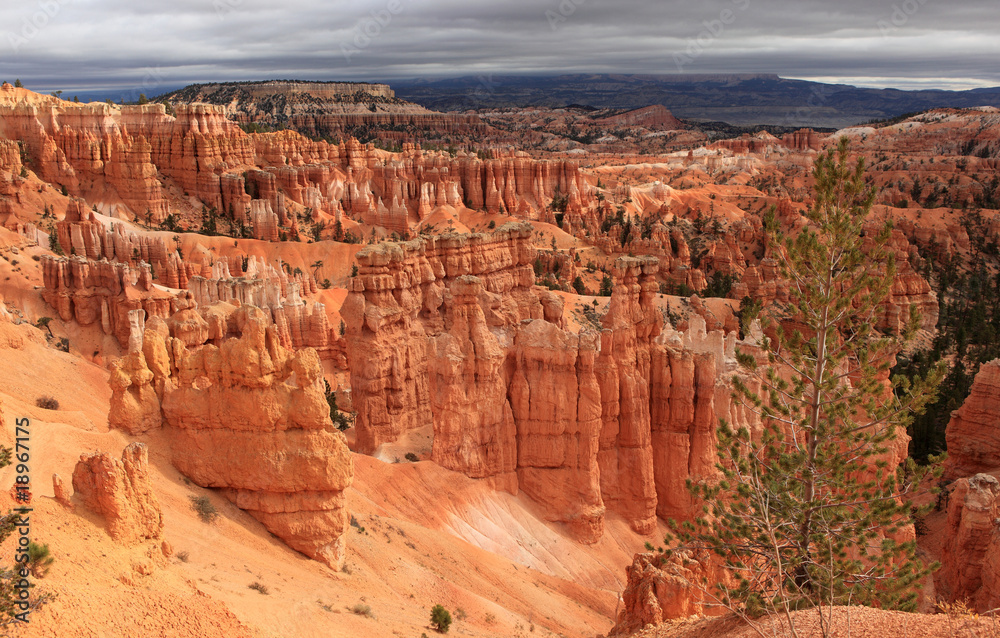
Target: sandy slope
{"type": "Point", "coordinates": [848, 622]}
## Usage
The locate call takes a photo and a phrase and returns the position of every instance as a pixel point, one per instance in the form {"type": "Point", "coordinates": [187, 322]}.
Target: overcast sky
{"type": "Point", "coordinates": [151, 47]}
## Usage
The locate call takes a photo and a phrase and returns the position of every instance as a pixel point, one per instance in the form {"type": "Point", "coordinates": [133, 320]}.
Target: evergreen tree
{"type": "Point", "coordinates": [808, 511]}
{"type": "Point", "coordinates": [440, 619]}
{"type": "Point", "coordinates": [607, 285]}
{"type": "Point", "coordinates": [54, 244]}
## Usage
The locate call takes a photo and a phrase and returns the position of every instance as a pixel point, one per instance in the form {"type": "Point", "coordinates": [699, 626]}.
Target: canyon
{"type": "Point", "coordinates": [476, 376]}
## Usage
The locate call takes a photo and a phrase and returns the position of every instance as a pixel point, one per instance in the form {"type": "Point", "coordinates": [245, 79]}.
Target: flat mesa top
{"type": "Point", "coordinates": [317, 89]}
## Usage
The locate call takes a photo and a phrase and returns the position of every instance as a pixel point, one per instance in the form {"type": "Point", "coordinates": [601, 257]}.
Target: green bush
{"type": "Point", "coordinates": [607, 285]}
{"type": "Point", "coordinates": [440, 619]}
{"type": "Point", "coordinates": [39, 559]}
{"type": "Point", "coordinates": [206, 511]}
{"type": "Point", "coordinates": [363, 610]}
{"type": "Point", "coordinates": [47, 403]}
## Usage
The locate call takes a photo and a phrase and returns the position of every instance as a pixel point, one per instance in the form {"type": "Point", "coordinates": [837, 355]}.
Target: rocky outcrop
{"type": "Point", "coordinates": [121, 492]}
{"type": "Point", "coordinates": [662, 588]}
{"type": "Point", "coordinates": [60, 492]}
{"type": "Point", "coordinates": [81, 234]}
{"type": "Point", "coordinates": [135, 400]}
{"type": "Point", "coordinates": [555, 396]}
{"type": "Point", "coordinates": [115, 278]}
{"type": "Point", "coordinates": [624, 373]}
{"type": "Point", "coordinates": [970, 554]}
{"type": "Point", "coordinates": [249, 417]}
{"type": "Point", "coordinates": [474, 424]}
{"type": "Point", "coordinates": [396, 305]}
{"type": "Point", "coordinates": [449, 332]}
{"type": "Point", "coordinates": [973, 434]}
{"type": "Point", "coordinates": [103, 292]}
{"type": "Point", "coordinates": [655, 117]}
{"type": "Point", "coordinates": [119, 155]}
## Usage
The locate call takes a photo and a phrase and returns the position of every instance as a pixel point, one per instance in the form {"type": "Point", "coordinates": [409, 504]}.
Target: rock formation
{"type": "Point", "coordinates": [970, 554]}
{"type": "Point", "coordinates": [973, 434]}
{"type": "Point", "coordinates": [449, 331]}
{"type": "Point", "coordinates": [661, 589]}
{"type": "Point", "coordinates": [260, 410]}
{"type": "Point", "coordinates": [624, 374]}
{"type": "Point", "coordinates": [121, 492]}
{"type": "Point", "coordinates": [94, 150]}
{"type": "Point", "coordinates": [60, 493]}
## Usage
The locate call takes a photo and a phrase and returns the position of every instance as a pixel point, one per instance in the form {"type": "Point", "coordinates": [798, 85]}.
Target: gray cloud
{"type": "Point", "coordinates": [74, 44]}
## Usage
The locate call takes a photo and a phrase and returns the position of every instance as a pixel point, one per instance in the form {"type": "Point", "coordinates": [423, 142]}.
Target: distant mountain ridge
{"type": "Point", "coordinates": [740, 99]}
{"type": "Point", "coordinates": [325, 110]}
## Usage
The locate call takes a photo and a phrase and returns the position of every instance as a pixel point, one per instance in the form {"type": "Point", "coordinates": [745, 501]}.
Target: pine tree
{"type": "Point", "coordinates": [54, 244]}
{"type": "Point", "coordinates": [811, 511]}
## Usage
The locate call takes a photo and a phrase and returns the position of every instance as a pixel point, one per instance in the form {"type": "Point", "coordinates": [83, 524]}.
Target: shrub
{"type": "Point", "coordinates": [258, 586]}
{"type": "Point", "coordinates": [206, 511]}
{"type": "Point", "coordinates": [356, 525]}
{"type": "Point", "coordinates": [341, 420]}
{"type": "Point", "coordinates": [43, 322]}
{"type": "Point", "coordinates": [440, 619]}
{"type": "Point", "coordinates": [39, 559]}
{"type": "Point", "coordinates": [411, 457]}
{"type": "Point", "coordinates": [47, 403]}
{"type": "Point", "coordinates": [362, 609]}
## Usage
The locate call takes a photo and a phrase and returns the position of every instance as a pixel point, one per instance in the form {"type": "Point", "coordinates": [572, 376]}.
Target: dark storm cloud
{"type": "Point", "coordinates": [117, 43]}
